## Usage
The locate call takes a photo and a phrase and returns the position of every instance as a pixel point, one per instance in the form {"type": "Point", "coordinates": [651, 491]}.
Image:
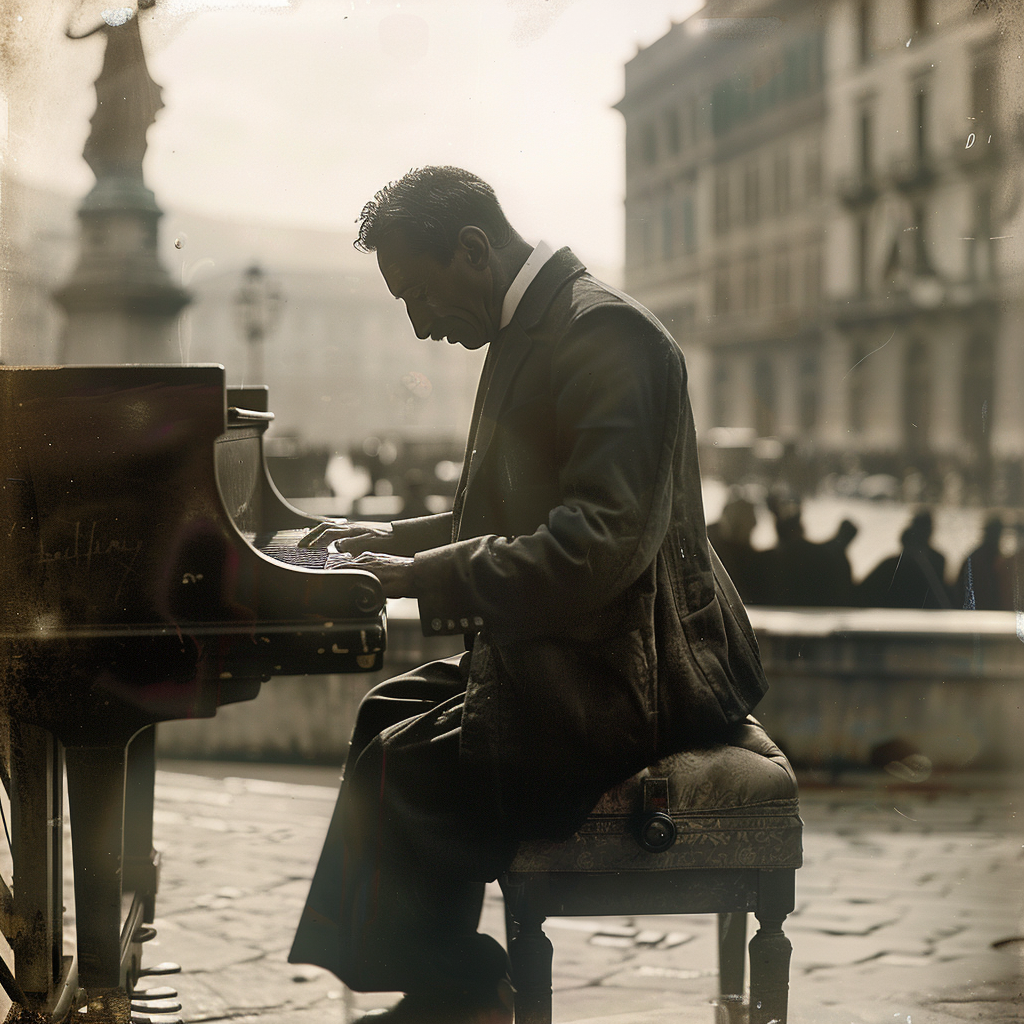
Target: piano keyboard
{"type": "Point", "coordinates": [282, 547]}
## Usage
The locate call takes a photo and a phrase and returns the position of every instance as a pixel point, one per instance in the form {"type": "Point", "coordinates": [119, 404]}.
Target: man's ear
{"type": "Point", "coordinates": [474, 247]}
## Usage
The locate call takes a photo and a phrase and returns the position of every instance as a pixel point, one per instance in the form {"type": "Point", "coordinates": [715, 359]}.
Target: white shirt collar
{"type": "Point", "coordinates": [527, 273]}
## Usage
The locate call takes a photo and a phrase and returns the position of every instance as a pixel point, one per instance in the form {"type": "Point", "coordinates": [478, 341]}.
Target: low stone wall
{"type": "Point", "coordinates": [852, 687]}
{"type": "Point", "coordinates": [848, 688]}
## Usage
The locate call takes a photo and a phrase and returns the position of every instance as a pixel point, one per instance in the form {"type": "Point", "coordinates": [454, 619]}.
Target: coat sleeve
{"type": "Point", "coordinates": [411, 535]}
{"type": "Point", "coordinates": [616, 386]}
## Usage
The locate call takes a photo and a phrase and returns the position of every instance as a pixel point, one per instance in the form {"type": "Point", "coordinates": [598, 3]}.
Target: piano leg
{"type": "Point", "coordinates": [43, 979]}
{"type": "Point", "coordinates": [96, 795]}
{"type": "Point", "coordinates": [141, 861]}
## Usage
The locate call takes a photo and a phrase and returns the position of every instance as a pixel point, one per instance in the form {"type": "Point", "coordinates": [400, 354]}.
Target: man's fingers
{"type": "Point", "coordinates": [308, 540]}
{"type": "Point", "coordinates": [323, 533]}
{"type": "Point", "coordinates": [347, 545]}
{"type": "Point", "coordinates": [321, 539]}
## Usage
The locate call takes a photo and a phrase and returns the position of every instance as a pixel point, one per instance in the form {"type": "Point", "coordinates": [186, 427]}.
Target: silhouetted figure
{"type": "Point", "coordinates": [985, 580]}
{"type": "Point", "coordinates": [730, 537]}
{"type": "Point", "coordinates": [802, 573]}
{"type": "Point", "coordinates": [915, 578]}
{"type": "Point", "coordinates": [840, 574]}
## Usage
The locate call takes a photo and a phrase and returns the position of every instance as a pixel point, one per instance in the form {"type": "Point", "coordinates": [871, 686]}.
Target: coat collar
{"type": "Point", "coordinates": [562, 267]}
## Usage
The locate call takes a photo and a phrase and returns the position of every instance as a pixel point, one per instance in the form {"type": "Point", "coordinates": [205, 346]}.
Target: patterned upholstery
{"type": "Point", "coordinates": [734, 806]}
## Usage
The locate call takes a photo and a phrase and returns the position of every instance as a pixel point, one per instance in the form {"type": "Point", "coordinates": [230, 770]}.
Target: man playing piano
{"type": "Point", "coordinates": [602, 631]}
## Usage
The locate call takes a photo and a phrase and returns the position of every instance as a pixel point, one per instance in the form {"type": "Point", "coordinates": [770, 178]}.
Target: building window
{"type": "Point", "coordinates": [812, 171]}
{"type": "Point", "coordinates": [862, 256]}
{"type": "Point", "coordinates": [922, 104]}
{"type": "Point", "coordinates": [781, 190]}
{"type": "Point", "coordinates": [809, 390]}
{"type": "Point", "coordinates": [864, 34]}
{"type": "Point", "coordinates": [751, 194]}
{"type": "Point", "coordinates": [781, 280]}
{"type": "Point", "coordinates": [922, 257]}
{"type": "Point", "coordinates": [689, 225]}
{"type": "Point", "coordinates": [751, 283]}
{"type": "Point", "coordinates": [672, 135]}
{"type": "Point", "coordinates": [983, 96]}
{"type": "Point", "coordinates": [650, 145]}
{"type": "Point", "coordinates": [865, 143]}
{"type": "Point", "coordinates": [667, 233]}
{"type": "Point", "coordinates": [720, 393]}
{"type": "Point", "coordinates": [722, 213]}
{"type": "Point", "coordinates": [722, 285]}
{"type": "Point", "coordinates": [857, 382]}
{"type": "Point", "coordinates": [917, 396]}
{"type": "Point", "coordinates": [812, 277]}
{"type": "Point", "coordinates": [920, 20]}
{"type": "Point", "coordinates": [634, 238]}
{"type": "Point", "coordinates": [765, 417]}
{"type": "Point", "coordinates": [646, 249]}
{"type": "Point", "coordinates": [978, 389]}
{"type": "Point", "coordinates": [981, 264]}
{"type": "Point", "coordinates": [691, 124]}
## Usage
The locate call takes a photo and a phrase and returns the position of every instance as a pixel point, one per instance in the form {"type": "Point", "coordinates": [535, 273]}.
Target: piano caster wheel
{"type": "Point", "coordinates": [160, 992]}
{"type": "Point", "coordinates": [158, 1006]}
{"type": "Point", "coordinates": [167, 967]}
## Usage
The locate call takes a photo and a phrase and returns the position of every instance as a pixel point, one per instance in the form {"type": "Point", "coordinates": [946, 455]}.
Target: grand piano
{"type": "Point", "coordinates": [149, 572]}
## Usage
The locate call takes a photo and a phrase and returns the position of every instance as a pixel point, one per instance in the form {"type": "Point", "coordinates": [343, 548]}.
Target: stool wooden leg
{"type": "Point", "coordinates": [530, 951]}
{"type": "Point", "coordinates": [770, 950]}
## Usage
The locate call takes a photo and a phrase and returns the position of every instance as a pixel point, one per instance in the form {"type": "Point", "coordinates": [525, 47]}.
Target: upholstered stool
{"type": "Point", "coordinates": [713, 831]}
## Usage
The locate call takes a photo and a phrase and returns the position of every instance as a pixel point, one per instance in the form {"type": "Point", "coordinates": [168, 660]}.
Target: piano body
{"type": "Point", "coordinates": [143, 557]}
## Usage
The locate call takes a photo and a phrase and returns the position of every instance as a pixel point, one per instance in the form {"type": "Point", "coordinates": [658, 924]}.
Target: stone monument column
{"type": "Point", "coordinates": [121, 304]}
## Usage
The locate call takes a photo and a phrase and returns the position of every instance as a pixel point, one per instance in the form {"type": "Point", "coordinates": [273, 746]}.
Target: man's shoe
{"type": "Point", "coordinates": [496, 1007]}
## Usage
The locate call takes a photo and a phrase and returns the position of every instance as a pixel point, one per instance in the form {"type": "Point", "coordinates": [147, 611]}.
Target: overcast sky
{"type": "Point", "coordinates": [297, 112]}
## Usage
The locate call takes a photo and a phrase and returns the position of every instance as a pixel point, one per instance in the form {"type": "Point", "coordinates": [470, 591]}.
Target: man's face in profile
{"type": "Point", "coordinates": [451, 302]}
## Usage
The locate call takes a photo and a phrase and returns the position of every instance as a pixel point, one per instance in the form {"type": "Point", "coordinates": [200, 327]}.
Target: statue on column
{"type": "Point", "coordinates": [127, 102]}
{"type": "Point", "coordinates": [121, 304]}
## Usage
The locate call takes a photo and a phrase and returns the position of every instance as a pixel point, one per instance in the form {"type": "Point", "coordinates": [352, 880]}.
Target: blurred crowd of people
{"type": "Point", "coordinates": [798, 572]}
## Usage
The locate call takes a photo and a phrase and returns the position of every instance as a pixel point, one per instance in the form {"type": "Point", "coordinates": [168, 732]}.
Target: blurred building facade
{"type": "Point", "coordinates": [823, 202]}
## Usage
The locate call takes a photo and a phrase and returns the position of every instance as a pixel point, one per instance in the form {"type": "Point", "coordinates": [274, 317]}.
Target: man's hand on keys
{"type": "Point", "coordinates": [353, 538]}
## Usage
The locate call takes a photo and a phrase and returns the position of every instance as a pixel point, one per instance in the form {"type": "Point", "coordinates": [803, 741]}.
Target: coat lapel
{"type": "Point", "coordinates": [507, 353]}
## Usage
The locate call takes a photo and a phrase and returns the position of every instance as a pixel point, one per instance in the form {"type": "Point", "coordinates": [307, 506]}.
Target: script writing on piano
{"type": "Point", "coordinates": [81, 550]}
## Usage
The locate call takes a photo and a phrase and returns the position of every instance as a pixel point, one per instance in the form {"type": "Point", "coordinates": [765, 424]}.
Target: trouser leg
{"type": "Point", "coordinates": [396, 898]}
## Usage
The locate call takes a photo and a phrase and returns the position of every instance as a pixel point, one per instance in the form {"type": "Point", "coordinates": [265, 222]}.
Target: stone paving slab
{"type": "Point", "coordinates": [909, 907]}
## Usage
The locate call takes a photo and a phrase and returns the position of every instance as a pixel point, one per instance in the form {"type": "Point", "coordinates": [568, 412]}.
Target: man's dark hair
{"type": "Point", "coordinates": [430, 206]}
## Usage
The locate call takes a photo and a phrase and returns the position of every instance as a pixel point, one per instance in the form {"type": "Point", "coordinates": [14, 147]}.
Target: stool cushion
{"type": "Point", "coordinates": [734, 806]}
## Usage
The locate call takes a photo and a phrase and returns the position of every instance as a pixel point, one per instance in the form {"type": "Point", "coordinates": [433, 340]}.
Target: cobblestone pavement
{"type": "Point", "coordinates": [909, 909]}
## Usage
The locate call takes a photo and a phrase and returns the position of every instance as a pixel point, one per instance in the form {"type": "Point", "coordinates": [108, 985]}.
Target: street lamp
{"type": "Point", "coordinates": [257, 309]}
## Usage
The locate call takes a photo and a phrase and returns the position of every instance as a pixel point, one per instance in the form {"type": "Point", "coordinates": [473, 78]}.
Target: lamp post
{"type": "Point", "coordinates": [257, 309]}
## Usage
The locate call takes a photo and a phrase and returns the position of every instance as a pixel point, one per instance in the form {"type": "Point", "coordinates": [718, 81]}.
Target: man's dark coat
{"type": "Point", "coordinates": [607, 633]}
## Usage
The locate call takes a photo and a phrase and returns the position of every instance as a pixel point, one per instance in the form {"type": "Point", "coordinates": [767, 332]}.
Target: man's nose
{"type": "Point", "coordinates": [419, 319]}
